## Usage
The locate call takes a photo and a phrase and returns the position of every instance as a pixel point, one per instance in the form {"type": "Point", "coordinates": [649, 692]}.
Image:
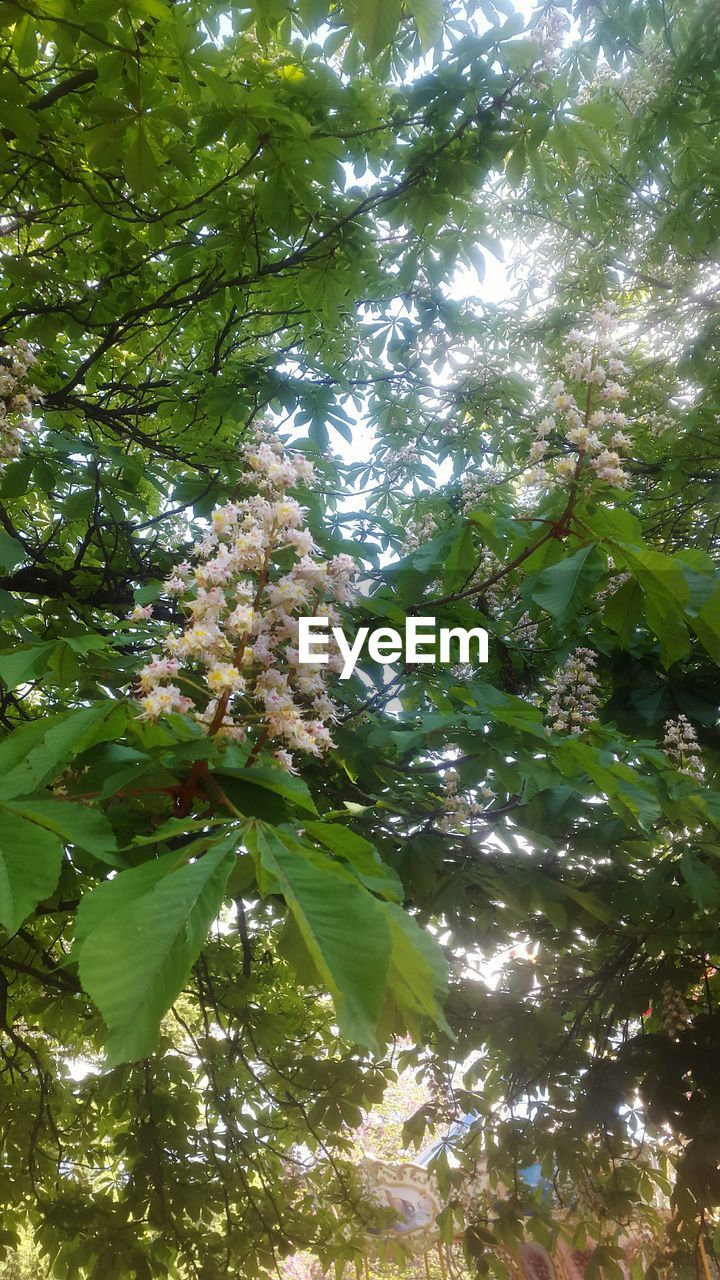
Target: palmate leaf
{"type": "Point", "coordinates": [565, 587]}
{"type": "Point", "coordinates": [375, 22]}
{"type": "Point", "coordinates": [428, 15]}
{"type": "Point", "coordinates": [140, 940]}
{"type": "Point", "coordinates": [366, 950]}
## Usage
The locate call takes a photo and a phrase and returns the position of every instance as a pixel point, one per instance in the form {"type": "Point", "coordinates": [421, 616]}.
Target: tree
{"type": "Point", "coordinates": [224, 229]}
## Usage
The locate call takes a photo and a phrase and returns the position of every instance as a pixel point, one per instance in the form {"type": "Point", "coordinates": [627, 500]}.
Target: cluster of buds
{"type": "Point", "coordinates": [673, 1011]}
{"type": "Point", "coordinates": [457, 809]}
{"type": "Point", "coordinates": [591, 430]}
{"type": "Point", "coordinates": [18, 397]}
{"type": "Point", "coordinates": [255, 572]}
{"type": "Point", "coordinates": [681, 747]}
{"type": "Point", "coordinates": [573, 703]}
{"type": "Point", "coordinates": [549, 35]}
{"type": "Point", "coordinates": [419, 531]}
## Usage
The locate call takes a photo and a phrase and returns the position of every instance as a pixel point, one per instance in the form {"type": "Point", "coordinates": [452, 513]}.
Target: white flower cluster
{"type": "Point", "coordinates": [419, 531]}
{"type": "Point", "coordinates": [475, 484]}
{"type": "Point", "coordinates": [643, 81]}
{"type": "Point", "coordinates": [549, 34]}
{"type": "Point", "coordinates": [673, 1011]}
{"type": "Point", "coordinates": [525, 630]}
{"type": "Point", "coordinates": [638, 84]}
{"type": "Point", "coordinates": [403, 456]}
{"type": "Point", "coordinates": [242, 629]}
{"type": "Point", "coordinates": [488, 566]}
{"type": "Point", "coordinates": [18, 397]}
{"type": "Point", "coordinates": [458, 810]}
{"type": "Point", "coordinates": [592, 429]}
{"type": "Point", "coordinates": [681, 747]}
{"type": "Point", "coordinates": [573, 702]}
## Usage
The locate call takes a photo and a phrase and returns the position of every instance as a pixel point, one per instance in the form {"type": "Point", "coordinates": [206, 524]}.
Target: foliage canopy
{"type": "Point", "coordinates": [216, 218]}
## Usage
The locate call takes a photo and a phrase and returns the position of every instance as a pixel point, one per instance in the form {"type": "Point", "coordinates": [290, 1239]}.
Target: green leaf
{"type": "Point", "coordinates": [139, 949]}
{"type": "Point", "coordinates": [343, 926]}
{"type": "Point", "coordinates": [665, 593]}
{"type": "Point", "coordinates": [707, 626]}
{"type": "Point", "coordinates": [630, 794]}
{"type": "Point", "coordinates": [516, 163]}
{"type": "Point", "coordinates": [460, 560]}
{"type": "Point", "coordinates": [124, 889]}
{"type": "Point", "coordinates": [360, 854]}
{"type": "Point", "coordinates": [140, 163]}
{"type": "Point", "coordinates": [32, 755]}
{"type": "Point", "coordinates": [30, 862]}
{"type": "Point", "coordinates": [585, 136]}
{"type": "Point", "coordinates": [25, 41]}
{"type": "Point", "coordinates": [281, 783]}
{"type": "Point", "coordinates": [428, 15]}
{"type": "Point", "coordinates": [75, 824]}
{"type": "Point", "coordinates": [24, 663]}
{"type": "Point", "coordinates": [623, 610]}
{"type": "Point", "coordinates": [700, 880]}
{"type": "Point", "coordinates": [507, 709]}
{"type": "Point", "coordinates": [565, 587]}
{"type": "Point", "coordinates": [375, 22]}
{"type": "Point", "coordinates": [418, 977]}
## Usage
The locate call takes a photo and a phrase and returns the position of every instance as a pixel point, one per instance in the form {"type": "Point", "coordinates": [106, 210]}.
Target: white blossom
{"type": "Point", "coordinates": [18, 397]}
{"type": "Point", "coordinates": [681, 746]}
{"type": "Point", "coordinates": [242, 605]}
{"type": "Point", "coordinates": [573, 702]}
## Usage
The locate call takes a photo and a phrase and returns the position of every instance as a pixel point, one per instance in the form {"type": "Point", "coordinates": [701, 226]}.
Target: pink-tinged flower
{"type": "Point", "coordinates": [620, 441]}
{"type": "Point", "coordinates": [241, 620]}
{"type": "Point", "coordinates": [564, 402]}
{"type": "Point", "coordinates": [162, 701]}
{"type": "Point", "coordinates": [538, 450]}
{"type": "Point", "coordinates": [224, 518]}
{"type": "Point", "coordinates": [237, 592]}
{"type": "Point", "coordinates": [324, 707]}
{"type": "Point", "coordinates": [156, 670]}
{"type": "Point", "coordinates": [612, 391]}
{"type": "Point", "coordinates": [301, 540]}
{"type": "Point", "coordinates": [565, 468]}
{"type": "Point", "coordinates": [207, 604]}
{"type": "Point", "coordinates": [141, 613]}
{"type": "Point", "coordinates": [224, 677]}
{"type": "Point", "coordinates": [288, 513]}
{"type": "Point", "coordinates": [285, 760]}
{"type": "Point", "coordinates": [312, 571]}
